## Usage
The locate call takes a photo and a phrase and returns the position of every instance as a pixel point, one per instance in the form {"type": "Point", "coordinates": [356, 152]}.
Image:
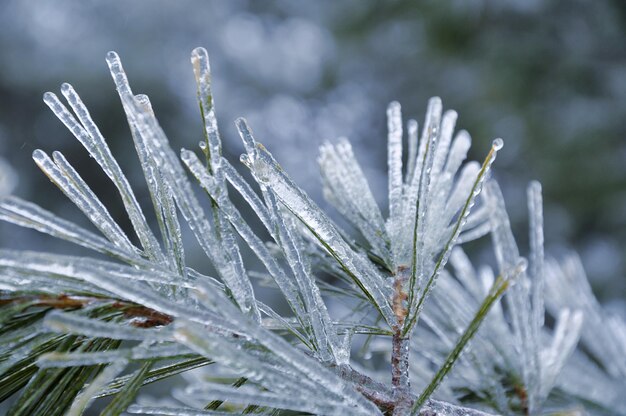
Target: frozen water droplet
{"type": "Point", "coordinates": [48, 96]}
{"type": "Point", "coordinates": [38, 154]}
{"type": "Point", "coordinates": [198, 52]}
{"type": "Point", "coordinates": [262, 171]}
{"type": "Point", "coordinates": [112, 56]}
{"type": "Point", "coordinates": [522, 265]}
{"type": "Point", "coordinates": [535, 186]}
{"type": "Point", "coordinates": [65, 88]}
{"type": "Point", "coordinates": [142, 99]}
{"type": "Point", "coordinates": [245, 160]}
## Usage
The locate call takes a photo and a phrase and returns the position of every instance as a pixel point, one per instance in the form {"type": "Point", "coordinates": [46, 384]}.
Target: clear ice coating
{"type": "Point", "coordinates": [161, 196]}
{"type": "Point", "coordinates": [394, 165]}
{"type": "Point", "coordinates": [87, 395]}
{"type": "Point", "coordinates": [422, 240]}
{"type": "Point", "coordinates": [89, 135]}
{"type": "Point", "coordinates": [67, 323]}
{"type": "Point", "coordinates": [72, 359]}
{"type": "Point", "coordinates": [346, 187]}
{"type": "Point", "coordinates": [72, 185]}
{"type": "Point", "coordinates": [27, 214]}
{"type": "Point", "coordinates": [225, 257]}
{"type": "Point", "coordinates": [269, 175]}
{"type": "Point", "coordinates": [518, 340]}
{"type": "Point", "coordinates": [313, 355]}
{"type": "Point", "coordinates": [260, 250]}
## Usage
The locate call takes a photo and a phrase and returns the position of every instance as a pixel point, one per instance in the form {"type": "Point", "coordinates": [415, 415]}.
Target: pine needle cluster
{"type": "Point", "coordinates": [390, 317]}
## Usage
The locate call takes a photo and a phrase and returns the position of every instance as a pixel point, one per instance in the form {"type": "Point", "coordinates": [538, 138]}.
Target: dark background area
{"type": "Point", "coordinates": [549, 77]}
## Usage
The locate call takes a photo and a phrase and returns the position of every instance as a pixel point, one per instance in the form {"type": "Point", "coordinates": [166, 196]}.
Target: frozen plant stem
{"type": "Point", "coordinates": [400, 348]}
{"type": "Point", "coordinates": [400, 374]}
{"type": "Point", "coordinates": [382, 396]}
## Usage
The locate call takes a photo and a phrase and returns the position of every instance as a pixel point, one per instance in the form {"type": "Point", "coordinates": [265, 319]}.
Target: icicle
{"type": "Point", "coordinates": [74, 359]}
{"type": "Point", "coordinates": [84, 268]}
{"type": "Point", "coordinates": [566, 335]}
{"type": "Point", "coordinates": [325, 334]}
{"type": "Point", "coordinates": [443, 144]}
{"type": "Point", "coordinates": [228, 353]}
{"type": "Point", "coordinates": [83, 400]}
{"type": "Point", "coordinates": [412, 128]}
{"type": "Point", "coordinates": [178, 184]}
{"type": "Point", "coordinates": [161, 196]}
{"type": "Point", "coordinates": [173, 411]}
{"type": "Point", "coordinates": [235, 179]}
{"type": "Point", "coordinates": [498, 288]}
{"type": "Point", "coordinates": [95, 143]}
{"type": "Point", "coordinates": [535, 210]}
{"type": "Point", "coordinates": [347, 188]}
{"type": "Point", "coordinates": [277, 322]}
{"type": "Point", "coordinates": [474, 233]}
{"type": "Point", "coordinates": [419, 206]}
{"type": "Point", "coordinates": [460, 223]}
{"type": "Point", "coordinates": [72, 185]}
{"type": "Point", "coordinates": [235, 218]}
{"type": "Point", "coordinates": [394, 165]}
{"type": "Point", "coordinates": [202, 72]}
{"type": "Point", "coordinates": [464, 271]}
{"type": "Point", "coordinates": [27, 214]}
{"type": "Point", "coordinates": [504, 243]}
{"type": "Point", "coordinates": [19, 279]}
{"type": "Point", "coordinates": [462, 187]}
{"type": "Point", "coordinates": [417, 202]}
{"type": "Point", "coordinates": [544, 382]}
{"type": "Point", "coordinates": [269, 174]}
{"type": "Point", "coordinates": [518, 299]}
{"type": "Point", "coordinates": [568, 288]}
{"type": "Point", "coordinates": [200, 61]}
{"type": "Point", "coordinates": [299, 403]}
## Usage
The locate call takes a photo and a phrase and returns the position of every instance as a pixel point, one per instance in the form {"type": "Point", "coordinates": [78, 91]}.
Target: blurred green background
{"type": "Point", "coordinates": [549, 77]}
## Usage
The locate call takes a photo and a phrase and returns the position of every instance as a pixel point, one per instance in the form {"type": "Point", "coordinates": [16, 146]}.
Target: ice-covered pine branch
{"type": "Point", "coordinates": [76, 329]}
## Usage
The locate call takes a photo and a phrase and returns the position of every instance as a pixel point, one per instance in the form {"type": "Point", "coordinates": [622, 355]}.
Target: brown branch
{"type": "Point", "coordinates": [382, 395]}
{"type": "Point", "coordinates": [376, 392]}
{"type": "Point", "coordinates": [149, 317]}
{"type": "Point", "coordinates": [400, 348]}
{"type": "Point", "coordinates": [438, 408]}
{"type": "Point", "coordinates": [520, 391]}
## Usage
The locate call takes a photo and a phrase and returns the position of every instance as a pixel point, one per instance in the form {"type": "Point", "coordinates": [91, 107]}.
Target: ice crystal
{"type": "Point", "coordinates": [82, 328]}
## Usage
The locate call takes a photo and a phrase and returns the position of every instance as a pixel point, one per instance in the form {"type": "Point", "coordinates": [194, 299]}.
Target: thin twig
{"type": "Point", "coordinates": [150, 317]}
{"type": "Point", "coordinates": [400, 348]}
